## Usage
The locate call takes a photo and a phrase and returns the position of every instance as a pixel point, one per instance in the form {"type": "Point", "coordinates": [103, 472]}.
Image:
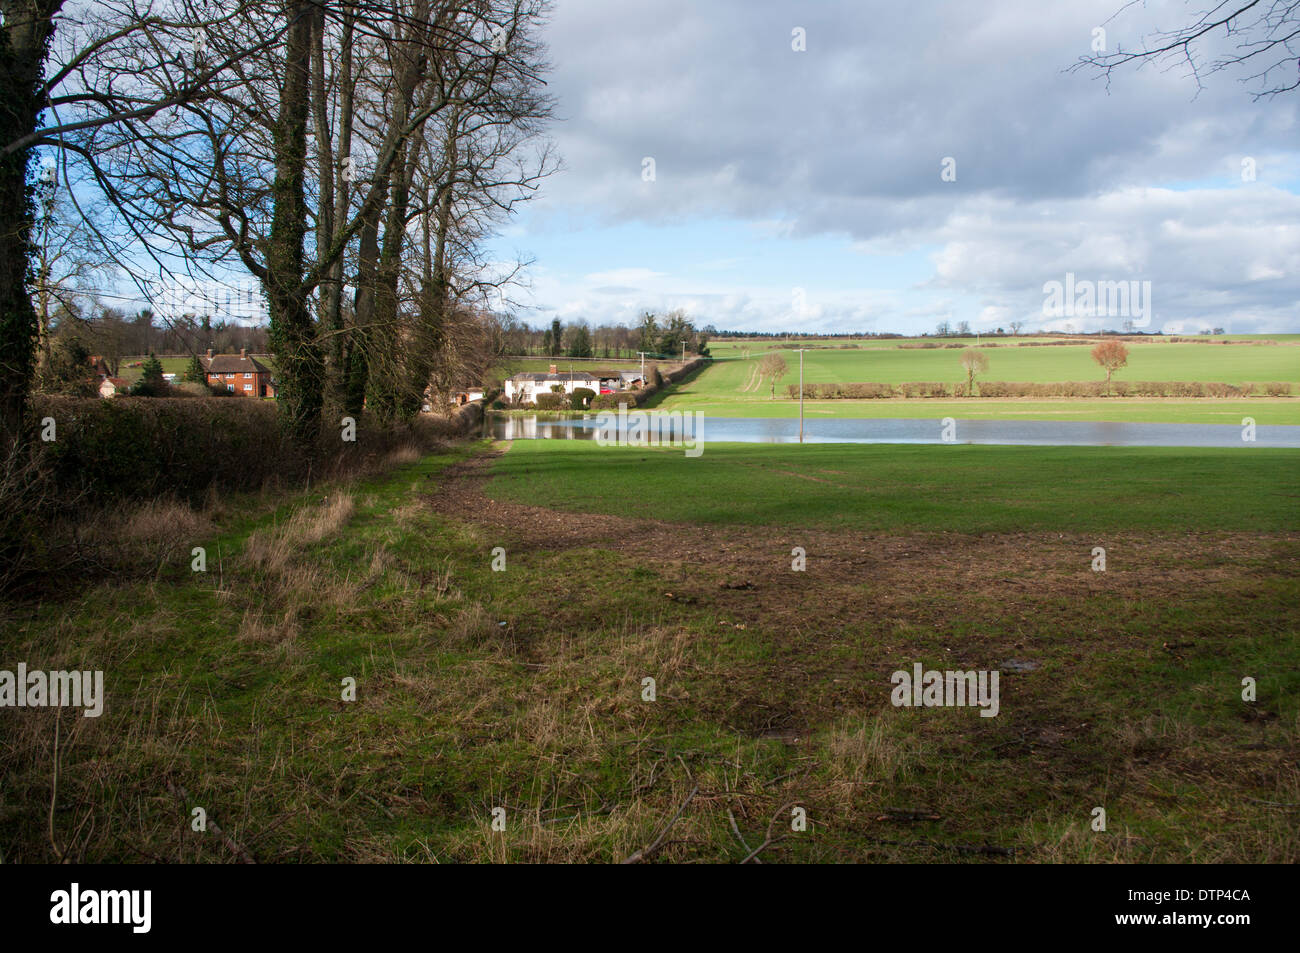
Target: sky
{"type": "Point", "coordinates": [709, 164]}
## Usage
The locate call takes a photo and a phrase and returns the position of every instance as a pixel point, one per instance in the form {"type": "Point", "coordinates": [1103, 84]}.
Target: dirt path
{"type": "Point", "coordinates": [1001, 567]}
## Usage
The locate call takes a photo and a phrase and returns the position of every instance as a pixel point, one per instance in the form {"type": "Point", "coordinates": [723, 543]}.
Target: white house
{"type": "Point", "coordinates": [524, 388]}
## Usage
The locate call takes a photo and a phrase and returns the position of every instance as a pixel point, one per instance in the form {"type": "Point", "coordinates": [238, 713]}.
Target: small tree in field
{"type": "Point", "coordinates": [975, 362]}
{"type": "Point", "coordinates": [1111, 355]}
{"type": "Point", "coordinates": [151, 382]}
{"type": "Point", "coordinates": [194, 372]}
{"type": "Point", "coordinates": [772, 368]}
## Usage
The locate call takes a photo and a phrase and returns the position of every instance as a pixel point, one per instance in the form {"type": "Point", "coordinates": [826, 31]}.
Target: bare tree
{"type": "Point", "coordinates": [975, 362]}
{"type": "Point", "coordinates": [1264, 34]}
{"type": "Point", "coordinates": [772, 368]}
{"type": "Point", "coordinates": [60, 78]}
{"type": "Point", "coordinates": [68, 262]}
{"type": "Point", "coordinates": [1112, 355]}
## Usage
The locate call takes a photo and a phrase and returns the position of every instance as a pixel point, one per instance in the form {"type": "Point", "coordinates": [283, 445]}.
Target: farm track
{"type": "Point", "coordinates": [908, 574]}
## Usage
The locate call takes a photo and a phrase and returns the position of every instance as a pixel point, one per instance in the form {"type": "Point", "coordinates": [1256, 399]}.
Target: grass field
{"type": "Point", "coordinates": [1227, 363]}
{"type": "Point", "coordinates": [730, 387]}
{"type": "Point", "coordinates": [524, 689]}
{"type": "Point", "coordinates": [962, 488]}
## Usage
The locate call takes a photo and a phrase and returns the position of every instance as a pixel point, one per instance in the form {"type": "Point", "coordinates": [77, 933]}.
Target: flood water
{"type": "Point", "coordinates": [897, 430]}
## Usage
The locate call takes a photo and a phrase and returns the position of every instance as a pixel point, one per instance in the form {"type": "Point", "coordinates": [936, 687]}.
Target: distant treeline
{"type": "Point", "coordinates": [868, 390]}
{"type": "Point", "coordinates": [1065, 337]}
{"type": "Point", "coordinates": [114, 335]}
{"type": "Point", "coordinates": [670, 336]}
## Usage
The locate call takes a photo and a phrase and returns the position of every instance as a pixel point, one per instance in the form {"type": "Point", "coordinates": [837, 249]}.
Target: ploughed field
{"type": "Point", "coordinates": [501, 608]}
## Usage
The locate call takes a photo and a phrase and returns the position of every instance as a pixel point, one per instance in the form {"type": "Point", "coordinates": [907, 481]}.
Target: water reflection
{"type": "Point", "coordinates": [898, 430]}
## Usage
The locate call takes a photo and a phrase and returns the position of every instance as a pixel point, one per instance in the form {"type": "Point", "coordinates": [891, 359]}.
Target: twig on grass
{"type": "Point", "coordinates": [769, 840]}
{"type": "Point", "coordinates": [647, 852]}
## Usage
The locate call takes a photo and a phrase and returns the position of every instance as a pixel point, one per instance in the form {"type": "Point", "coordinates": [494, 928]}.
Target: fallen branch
{"type": "Point", "coordinates": [769, 840]}
{"type": "Point", "coordinates": [736, 830]}
{"type": "Point", "coordinates": [647, 852]}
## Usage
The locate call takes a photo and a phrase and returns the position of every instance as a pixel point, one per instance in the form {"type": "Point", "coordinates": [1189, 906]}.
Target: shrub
{"type": "Point", "coordinates": [151, 383]}
{"type": "Point", "coordinates": [582, 397]}
{"type": "Point", "coordinates": [135, 449]}
{"type": "Point", "coordinates": [551, 401]}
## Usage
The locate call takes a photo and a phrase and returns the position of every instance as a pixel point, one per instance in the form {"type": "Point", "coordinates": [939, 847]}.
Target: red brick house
{"type": "Point", "coordinates": [240, 374]}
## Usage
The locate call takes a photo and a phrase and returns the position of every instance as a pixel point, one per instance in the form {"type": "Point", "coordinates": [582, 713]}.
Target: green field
{"type": "Point", "coordinates": [1225, 363]}
{"type": "Point", "coordinates": [1264, 410]}
{"type": "Point", "coordinates": [730, 387]}
{"type": "Point", "coordinates": [524, 690]}
{"type": "Point", "coordinates": [893, 487]}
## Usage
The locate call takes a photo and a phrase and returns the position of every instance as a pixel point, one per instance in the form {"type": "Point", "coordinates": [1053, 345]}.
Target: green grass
{"type": "Point", "coordinates": [731, 388]}
{"type": "Point", "coordinates": [522, 688]}
{"type": "Point", "coordinates": [1264, 410]}
{"type": "Point", "coordinates": [1233, 364]}
{"type": "Point", "coordinates": [886, 487]}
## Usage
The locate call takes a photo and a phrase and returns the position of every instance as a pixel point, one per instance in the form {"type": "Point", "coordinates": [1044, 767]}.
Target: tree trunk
{"type": "Point", "coordinates": [24, 43]}
{"type": "Point", "coordinates": [339, 188]}
{"type": "Point", "coordinates": [292, 331]}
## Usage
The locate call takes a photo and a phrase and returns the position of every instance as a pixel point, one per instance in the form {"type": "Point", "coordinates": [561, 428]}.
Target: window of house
{"type": "Point", "coordinates": [247, 376]}
{"type": "Point", "coordinates": [230, 387]}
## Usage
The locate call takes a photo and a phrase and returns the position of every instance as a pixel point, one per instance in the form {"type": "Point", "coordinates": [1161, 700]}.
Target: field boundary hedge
{"type": "Point", "coordinates": [140, 447]}
{"type": "Point", "coordinates": [939, 389]}
{"type": "Point", "coordinates": [637, 398]}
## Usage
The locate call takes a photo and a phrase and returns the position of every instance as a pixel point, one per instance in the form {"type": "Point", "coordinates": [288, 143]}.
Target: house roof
{"type": "Point", "coordinates": [234, 364]}
{"type": "Point", "coordinates": [555, 377]}
{"type": "Point", "coordinates": [118, 382]}
{"type": "Point", "coordinates": [630, 375]}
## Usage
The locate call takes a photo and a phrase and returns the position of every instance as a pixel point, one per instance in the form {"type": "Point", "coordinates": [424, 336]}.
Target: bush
{"type": "Point", "coordinates": [924, 389]}
{"type": "Point", "coordinates": [137, 449]}
{"type": "Point", "coordinates": [582, 397]}
{"type": "Point", "coordinates": [551, 401]}
{"type": "Point", "coordinates": [151, 382]}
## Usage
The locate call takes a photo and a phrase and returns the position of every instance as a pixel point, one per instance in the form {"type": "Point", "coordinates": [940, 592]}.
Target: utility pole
{"type": "Point", "coordinates": [801, 350]}
{"type": "Point", "coordinates": [642, 353]}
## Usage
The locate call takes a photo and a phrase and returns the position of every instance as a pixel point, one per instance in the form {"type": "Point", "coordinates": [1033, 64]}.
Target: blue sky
{"type": "Point", "coordinates": [801, 190]}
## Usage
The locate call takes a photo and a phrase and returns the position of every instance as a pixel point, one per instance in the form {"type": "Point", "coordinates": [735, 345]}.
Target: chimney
{"type": "Point", "coordinates": [552, 368]}
{"type": "Point", "coordinates": [243, 353]}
